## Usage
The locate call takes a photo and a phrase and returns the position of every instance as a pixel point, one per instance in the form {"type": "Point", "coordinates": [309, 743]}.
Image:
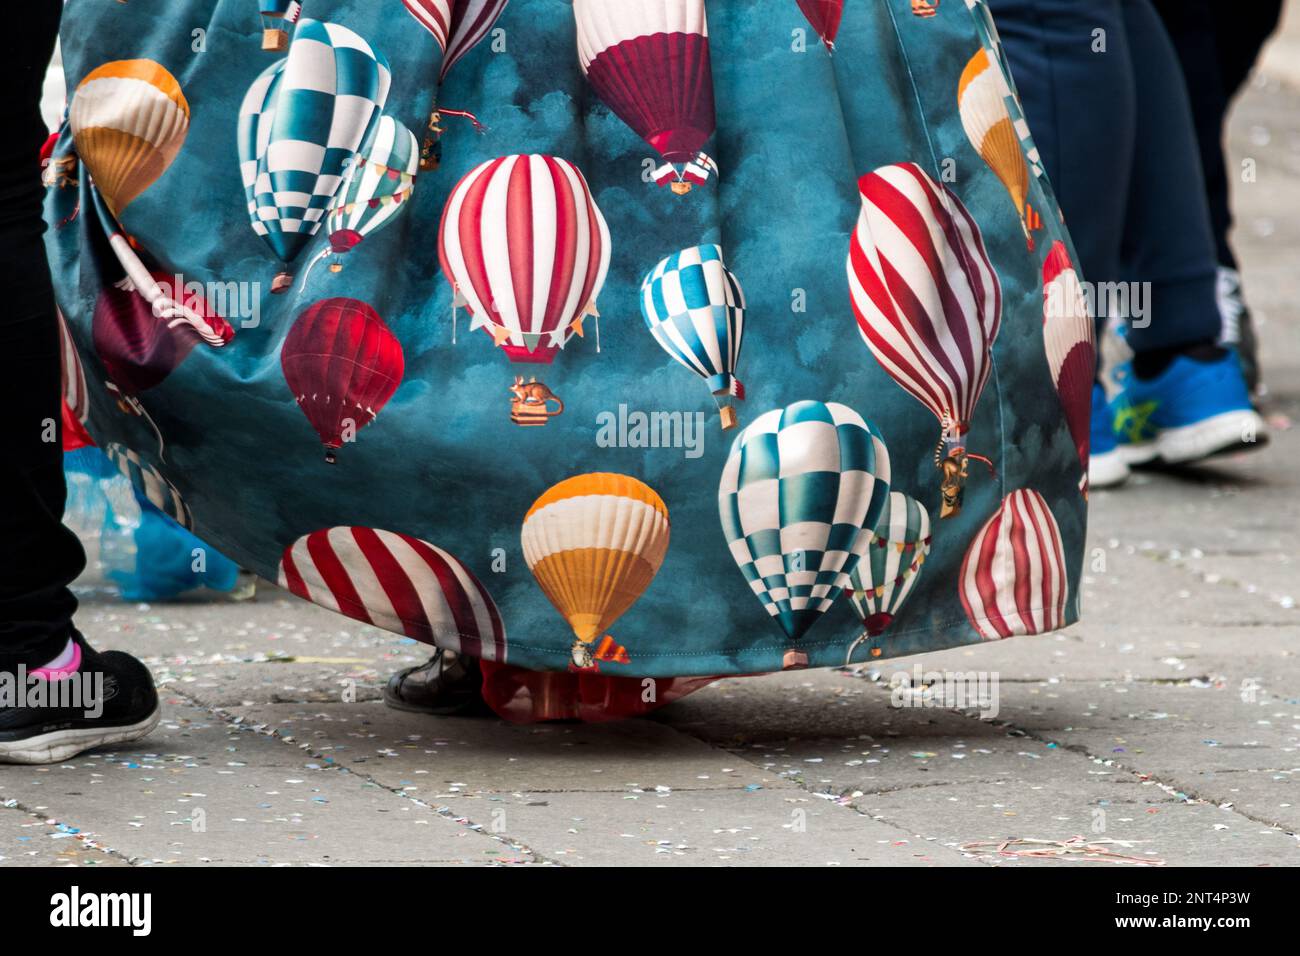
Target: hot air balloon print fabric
{"type": "Point", "coordinates": [694, 307]}
{"type": "Point", "coordinates": [478, 403]}
{"type": "Point", "coordinates": [799, 496]}
{"type": "Point", "coordinates": [301, 122]}
{"type": "Point", "coordinates": [398, 582]}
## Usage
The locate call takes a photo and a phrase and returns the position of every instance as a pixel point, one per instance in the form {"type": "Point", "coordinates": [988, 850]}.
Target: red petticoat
{"type": "Point", "coordinates": [525, 697]}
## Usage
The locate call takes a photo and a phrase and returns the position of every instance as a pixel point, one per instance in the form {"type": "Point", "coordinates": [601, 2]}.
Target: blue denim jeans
{"type": "Point", "coordinates": [1106, 102]}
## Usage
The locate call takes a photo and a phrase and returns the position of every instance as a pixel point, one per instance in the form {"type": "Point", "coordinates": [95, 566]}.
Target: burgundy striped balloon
{"type": "Point", "coordinates": [399, 583]}
{"type": "Point", "coordinates": [1013, 576]}
{"type": "Point", "coordinates": [526, 250]}
{"type": "Point", "coordinates": [927, 300]}
{"type": "Point", "coordinates": [434, 16]}
{"type": "Point", "coordinates": [470, 22]}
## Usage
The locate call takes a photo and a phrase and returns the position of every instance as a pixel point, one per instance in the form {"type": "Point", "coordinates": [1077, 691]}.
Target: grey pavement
{"type": "Point", "coordinates": [1165, 728]}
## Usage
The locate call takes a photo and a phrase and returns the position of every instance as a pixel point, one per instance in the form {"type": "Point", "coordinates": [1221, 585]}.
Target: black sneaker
{"type": "Point", "coordinates": [447, 684]}
{"type": "Point", "coordinates": [110, 700]}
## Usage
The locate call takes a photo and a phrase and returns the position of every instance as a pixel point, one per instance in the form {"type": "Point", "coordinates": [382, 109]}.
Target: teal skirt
{"type": "Point", "coordinates": [641, 338]}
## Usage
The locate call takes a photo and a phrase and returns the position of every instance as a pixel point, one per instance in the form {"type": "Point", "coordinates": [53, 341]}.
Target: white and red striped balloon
{"type": "Point", "coordinates": [1068, 337]}
{"type": "Point", "coordinates": [470, 22]}
{"type": "Point", "coordinates": [434, 16]}
{"type": "Point", "coordinates": [526, 249]}
{"type": "Point", "coordinates": [1013, 577]}
{"type": "Point", "coordinates": [926, 297]}
{"type": "Point", "coordinates": [399, 583]}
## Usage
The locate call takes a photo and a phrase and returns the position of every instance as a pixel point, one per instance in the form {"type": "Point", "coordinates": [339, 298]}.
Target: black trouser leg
{"type": "Point", "coordinates": [39, 557]}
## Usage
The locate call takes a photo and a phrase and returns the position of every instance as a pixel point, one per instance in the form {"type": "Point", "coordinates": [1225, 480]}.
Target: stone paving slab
{"type": "Point", "coordinates": [751, 827]}
{"type": "Point", "coordinates": [29, 838]}
{"type": "Point", "coordinates": [1153, 824]}
{"type": "Point", "coordinates": [200, 790]}
{"type": "Point", "coordinates": [447, 756]}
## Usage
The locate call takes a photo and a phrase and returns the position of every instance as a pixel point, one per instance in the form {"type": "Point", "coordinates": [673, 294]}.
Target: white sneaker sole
{"type": "Point", "coordinates": [1107, 469]}
{"type": "Point", "coordinates": [1242, 430]}
{"type": "Point", "coordinates": [60, 745]}
{"type": "Point", "coordinates": [1142, 454]}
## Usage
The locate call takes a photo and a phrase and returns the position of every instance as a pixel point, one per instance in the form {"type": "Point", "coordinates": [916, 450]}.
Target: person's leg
{"type": "Point", "coordinates": [39, 557]}
{"type": "Point", "coordinates": [1168, 241]}
{"type": "Point", "coordinates": [1070, 63]}
{"type": "Point", "coordinates": [1185, 398]}
{"type": "Point", "coordinates": [1190, 25]}
{"type": "Point", "coordinates": [1217, 47]}
{"type": "Point", "coordinates": [58, 696]}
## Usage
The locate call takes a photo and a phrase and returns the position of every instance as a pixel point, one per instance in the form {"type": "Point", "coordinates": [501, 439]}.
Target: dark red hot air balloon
{"type": "Point", "coordinates": [343, 364]}
{"type": "Point", "coordinates": [824, 15]}
{"type": "Point", "coordinates": [648, 60]}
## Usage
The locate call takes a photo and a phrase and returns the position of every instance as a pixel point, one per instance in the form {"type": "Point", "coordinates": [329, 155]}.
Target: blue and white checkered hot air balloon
{"type": "Point", "coordinates": [301, 123]}
{"type": "Point", "coordinates": [694, 307]}
{"type": "Point", "coordinates": [800, 494]}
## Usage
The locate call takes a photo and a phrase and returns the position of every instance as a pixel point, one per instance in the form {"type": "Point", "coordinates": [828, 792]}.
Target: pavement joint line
{"type": "Point", "coordinates": [1170, 788]}
{"type": "Point", "coordinates": [265, 729]}
{"type": "Point", "coordinates": [796, 779]}
{"type": "Point", "coordinates": [84, 837]}
{"type": "Point", "coordinates": [1168, 785]}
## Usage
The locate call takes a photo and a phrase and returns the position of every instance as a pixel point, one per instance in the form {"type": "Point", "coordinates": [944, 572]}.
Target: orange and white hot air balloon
{"type": "Point", "coordinates": [594, 542]}
{"type": "Point", "coordinates": [982, 95]}
{"type": "Point", "coordinates": [129, 119]}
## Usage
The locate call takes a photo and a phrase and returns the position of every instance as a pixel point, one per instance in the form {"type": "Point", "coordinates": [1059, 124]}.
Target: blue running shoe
{"type": "Point", "coordinates": [1192, 410]}
{"type": "Point", "coordinates": [1107, 466]}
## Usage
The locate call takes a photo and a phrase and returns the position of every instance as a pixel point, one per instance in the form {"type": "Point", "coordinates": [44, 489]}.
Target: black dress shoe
{"type": "Point", "coordinates": [447, 684]}
{"type": "Point", "coordinates": [110, 699]}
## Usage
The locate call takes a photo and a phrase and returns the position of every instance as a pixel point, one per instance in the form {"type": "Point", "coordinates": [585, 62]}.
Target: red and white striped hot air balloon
{"type": "Point", "coordinates": [470, 22]}
{"type": "Point", "coordinates": [399, 583]}
{"type": "Point", "coordinates": [648, 60]}
{"type": "Point", "coordinates": [1068, 335]}
{"type": "Point", "coordinates": [434, 16]}
{"type": "Point", "coordinates": [927, 301]}
{"type": "Point", "coordinates": [526, 250]}
{"type": "Point", "coordinates": [1013, 577]}
{"type": "Point", "coordinates": [824, 15]}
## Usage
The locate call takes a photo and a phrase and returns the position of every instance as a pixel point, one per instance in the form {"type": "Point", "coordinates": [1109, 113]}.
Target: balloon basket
{"type": "Point", "coordinates": [281, 283]}
{"type": "Point", "coordinates": [680, 188]}
{"type": "Point", "coordinates": [336, 267]}
{"type": "Point", "coordinates": [330, 457]}
{"type": "Point", "coordinates": [728, 415]}
{"type": "Point", "coordinates": [274, 40]}
{"type": "Point", "coordinates": [794, 660]}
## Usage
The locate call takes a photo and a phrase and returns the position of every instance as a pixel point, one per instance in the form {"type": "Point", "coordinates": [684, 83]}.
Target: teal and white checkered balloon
{"type": "Point", "coordinates": [300, 125]}
{"type": "Point", "coordinates": [800, 494]}
{"type": "Point", "coordinates": [694, 307]}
